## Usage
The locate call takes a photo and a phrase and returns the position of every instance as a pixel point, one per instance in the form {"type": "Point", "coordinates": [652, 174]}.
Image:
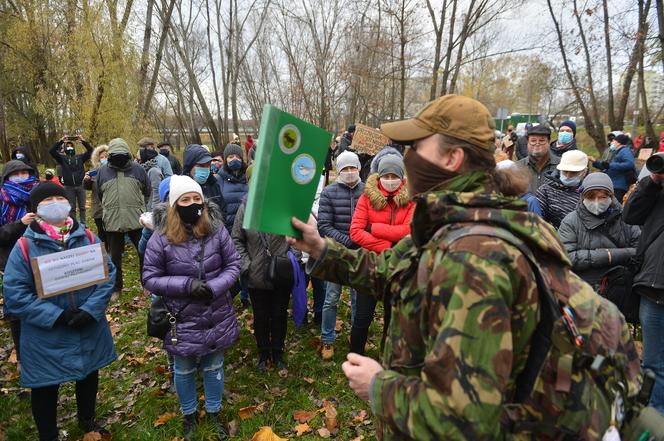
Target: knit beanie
{"type": "Point", "coordinates": [45, 190]}
{"type": "Point", "coordinates": [391, 164]}
{"type": "Point", "coordinates": [233, 149]}
{"type": "Point", "coordinates": [597, 181]}
{"type": "Point", "coordinates": [164, 188]}
{"type": "Point", "coordinates": [347, 159]}
{"type": "Point", "coordinates": [570, 124]}
{"type": "Point", "coordinates": [181, 185]}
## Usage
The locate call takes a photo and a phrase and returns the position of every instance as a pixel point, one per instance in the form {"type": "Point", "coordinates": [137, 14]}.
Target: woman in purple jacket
{"type": "Point", "coordinates": [191, 261]}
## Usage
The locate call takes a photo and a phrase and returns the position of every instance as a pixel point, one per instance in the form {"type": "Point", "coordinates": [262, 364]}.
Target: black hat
{"type": "Point", "coordinates": [351, 128]}
{"type": "Point", "coordinates": [43, 191]}
{"type": "Point", "coordinates": [622, 139]}
{"type": "Point", "coordinates": [539, 130]}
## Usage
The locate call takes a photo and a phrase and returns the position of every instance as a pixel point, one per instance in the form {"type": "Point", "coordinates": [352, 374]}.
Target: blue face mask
{"type": "Point", "coordinates": [20, 179]}
{"type": "Point", "coordinates": [54, 212]}
{"type": "Point", "coordinates": [214, 168]}
{"type": "Point", "coordinates": [570, 182]}
{"type": "Point", "coordinates": [564, 137]}
{"type": "Point", "coordinates": [20, 156]}
{"type": "Point", "coordinates": [234, 164]}
{"type": "Point", "coordinates": [103, 161]}
{"type": "Point", "coordinates": [613, 147]}
{"type": "Point", "coordinates": [201, 174]}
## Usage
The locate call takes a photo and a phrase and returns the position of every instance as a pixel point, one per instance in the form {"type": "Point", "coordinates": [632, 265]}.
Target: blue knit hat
{"type": "Point", "coordinates": [570, 124]}
{"type": "Point", "coordinates": [164, 189]}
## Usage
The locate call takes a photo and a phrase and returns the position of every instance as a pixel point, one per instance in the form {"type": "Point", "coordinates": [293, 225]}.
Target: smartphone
{"type": "Point", "coordinates": [93, 173]}
{"type": "Point", "coordinates": [72, 138]}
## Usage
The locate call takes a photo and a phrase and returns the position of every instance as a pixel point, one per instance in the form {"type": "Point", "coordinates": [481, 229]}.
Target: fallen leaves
{"type": "Point", "coordinates": [303, 416]}
{"type": "Point", "coordinates": [266, 434]}
{"type": "Point", "coordinates": [324, 433]}
{"type": "Point", "coordinates": [309, 380]}
{"type": "Point", "coordinates": [92, 436]}
{"type": "Point", "coordinates": [248, 412]}
{"type": "Point", "coordinates": [301, 429]}
{"type": "Point", "coordinates": [12, 357]}
{"type": "Point", "coordinates": [330, 416]}
{"type": "Point", "coordinates": [164, 418]}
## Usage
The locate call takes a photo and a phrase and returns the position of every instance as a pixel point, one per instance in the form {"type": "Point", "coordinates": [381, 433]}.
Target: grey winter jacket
{"type": "Point", "coordinates": [538, 177]}
{"type": "Point", "coordinates": [252, 250]}
{"type": "Point", "coordinates": [646, 207]}
{"type": "Point", "coordinates": [335, 211]}
{"type": "Point", "coordinates": [589, 239]}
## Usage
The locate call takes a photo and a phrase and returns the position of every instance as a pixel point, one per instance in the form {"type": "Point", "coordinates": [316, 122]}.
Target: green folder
{"type": "Point", "coordinates": [289, 161]}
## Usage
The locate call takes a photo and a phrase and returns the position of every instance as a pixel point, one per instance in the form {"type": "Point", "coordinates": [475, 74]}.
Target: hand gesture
{"type": "Point", "coordinates": [360, 371]}
{"type": "Point", "coordinates": [28, 218]}
{"type": "Point", "coordinates": [311, 242]}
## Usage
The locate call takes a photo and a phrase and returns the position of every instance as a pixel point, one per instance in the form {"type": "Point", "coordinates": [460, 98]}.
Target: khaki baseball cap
{"type": "Point", "coordinates": [453, 115]}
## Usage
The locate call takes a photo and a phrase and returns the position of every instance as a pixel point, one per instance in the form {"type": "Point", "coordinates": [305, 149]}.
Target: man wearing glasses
{"type": "Point", "coordinates": [539, 161]}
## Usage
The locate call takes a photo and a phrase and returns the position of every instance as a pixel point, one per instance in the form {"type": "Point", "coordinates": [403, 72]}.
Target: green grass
{"type": "Point", "coordinates": [133, 391]}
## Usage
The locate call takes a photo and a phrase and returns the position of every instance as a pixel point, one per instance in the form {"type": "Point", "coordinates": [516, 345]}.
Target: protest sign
{"type": "Point", "coordinates": [69, 270]}
{"type": "Point", "coordinates": [644, 154]}
{"type": "Point", "coordinates": [368, 140]}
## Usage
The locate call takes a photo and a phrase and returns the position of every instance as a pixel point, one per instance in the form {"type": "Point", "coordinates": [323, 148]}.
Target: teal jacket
{"type": "Point", "coordinates": [53, 354]}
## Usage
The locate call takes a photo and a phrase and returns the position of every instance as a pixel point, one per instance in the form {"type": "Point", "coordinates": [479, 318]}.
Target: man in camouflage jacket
{"type": "Point", "coordinates": [463, 311]}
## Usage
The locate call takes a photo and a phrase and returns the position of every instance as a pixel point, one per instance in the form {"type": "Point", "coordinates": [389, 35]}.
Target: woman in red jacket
{"type": "Point", "coordinates": [381, 219]}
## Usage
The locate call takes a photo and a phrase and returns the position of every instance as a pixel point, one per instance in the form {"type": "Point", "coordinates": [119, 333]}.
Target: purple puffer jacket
{"type": "Point", "coordinates": [168, 271]}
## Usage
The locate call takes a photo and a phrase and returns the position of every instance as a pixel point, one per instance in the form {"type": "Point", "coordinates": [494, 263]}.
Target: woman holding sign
{"type": "Point", "coordinates": [64, 337]}
{"type": "Point", "coordinates": [192, 263]}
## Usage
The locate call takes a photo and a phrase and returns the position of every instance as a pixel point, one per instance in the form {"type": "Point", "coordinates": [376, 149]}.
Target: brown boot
{"type": "Point", "coordinates": [327, 352]}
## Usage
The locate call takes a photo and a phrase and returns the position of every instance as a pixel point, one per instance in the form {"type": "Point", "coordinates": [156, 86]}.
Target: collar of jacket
{"type": "Point", "coordinates": [590, 221]}
{"type": "Point", "coordinates": [378, 197]}
{"type": "Point", "coordinates": [228, 175]}
{"type": "Point", "coordinates": [36, 233]}
{"type": "Point", "coordinates": [473, 198]}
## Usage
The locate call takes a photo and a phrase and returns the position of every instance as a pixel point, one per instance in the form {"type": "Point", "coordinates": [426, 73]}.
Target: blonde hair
{"type": "Point", "coordinates": [177, 233]}
{"type": "Point", "coordinates": [96, 153]}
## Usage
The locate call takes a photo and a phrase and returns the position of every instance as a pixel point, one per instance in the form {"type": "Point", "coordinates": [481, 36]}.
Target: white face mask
{"type": "Point", "coordinates": [349, 178]}
{"type": "Point", "coordinates": [390, 185]}
{"type": "Point", "coordinates": [598, 206]}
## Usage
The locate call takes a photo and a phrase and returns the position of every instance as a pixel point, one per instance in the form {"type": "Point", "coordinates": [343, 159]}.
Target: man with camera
{"type": "Point", "coordinates": [72, 171]}
{"type": "Point", "coordinates": [645, 207]}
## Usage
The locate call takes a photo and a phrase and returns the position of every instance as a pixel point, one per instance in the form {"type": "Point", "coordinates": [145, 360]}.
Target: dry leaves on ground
{"type": "Point", "coordinates": [266, 434]}
{"type": "Point", "coordinates": [330, 416]}
{"type": "Point", "coordinates": [164, 418]}
{"type": "Point", "coordinates": [248, 412]}
{"type": "Point", "coordinates": [324, 433]}
{"type": "Point", "coordinates": [92, 436]}
{"type": "Point", "coordinates": [303, 416]}
{"type": "Point", "coordinates": [301, 429]}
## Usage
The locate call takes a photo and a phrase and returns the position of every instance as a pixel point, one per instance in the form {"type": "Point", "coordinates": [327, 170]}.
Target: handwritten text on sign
{"type": "Point", "coordinates": [69, 270]}
{"type": "Point", "coordinates": [368, 140]}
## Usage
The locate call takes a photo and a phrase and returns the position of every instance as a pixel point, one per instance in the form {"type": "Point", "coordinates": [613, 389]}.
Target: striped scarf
{"type": "Point", "coordinates": [56, 233]}
{"type": "Point", "coordinates": [15, 199]}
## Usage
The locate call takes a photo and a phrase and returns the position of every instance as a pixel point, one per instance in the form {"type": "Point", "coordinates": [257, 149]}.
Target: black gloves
{"type": "Point", "coordinates": [74, 318]}
{"type": "Point", "coordinates": [199, 290]}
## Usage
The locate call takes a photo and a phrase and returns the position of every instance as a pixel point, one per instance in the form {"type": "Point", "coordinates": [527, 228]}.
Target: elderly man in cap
{"type": "Point", "coordinates": [464, 299]}
{"type": "Point", "coordinates": [539, 161]}
{"type": "Point", "coordinates": [162, 161]}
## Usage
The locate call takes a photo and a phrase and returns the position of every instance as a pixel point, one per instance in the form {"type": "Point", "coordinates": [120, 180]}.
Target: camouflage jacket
{"type": "Point", "coordinates": [462, 316]}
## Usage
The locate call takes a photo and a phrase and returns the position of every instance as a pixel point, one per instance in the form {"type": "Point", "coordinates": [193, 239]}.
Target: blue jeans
{"type": "Point", "coordinates": [652, 327]}
{"type": "Point", "coordinates": [332, 294]}
{"type": "Point", "coordinates": [212, 366]}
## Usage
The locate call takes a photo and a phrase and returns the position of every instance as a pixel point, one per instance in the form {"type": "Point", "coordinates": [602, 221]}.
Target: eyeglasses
{"type": "Point", "coordinates": [538, 141]}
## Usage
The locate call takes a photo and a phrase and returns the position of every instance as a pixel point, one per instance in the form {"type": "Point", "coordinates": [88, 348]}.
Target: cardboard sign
{"type": "Point", "coordinates": [644, 154]}
{"type": "Point", "coordinates": [69, 270]}
{"type": "Point", "coordinates": [368, 140]}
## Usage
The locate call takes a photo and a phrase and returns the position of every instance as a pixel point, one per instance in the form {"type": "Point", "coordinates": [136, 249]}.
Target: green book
{"type": "Point", "coordinates": [289, 161]}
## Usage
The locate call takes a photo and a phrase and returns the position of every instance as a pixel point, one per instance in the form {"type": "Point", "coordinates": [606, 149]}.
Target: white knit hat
{"type": "Point", "coordinates": [348, 159]}
{"type": "Point", "coordinates": [181, 185]}
{"type": "Point", "coordinates": [573, 161]}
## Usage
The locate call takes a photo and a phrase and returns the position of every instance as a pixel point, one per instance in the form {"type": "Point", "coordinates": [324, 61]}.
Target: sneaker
{"type": "Point", "coordinates": [263, 360]}
{"type": "Point", "coordinates": [217, 425]}
{"type": "Point", "coordinates": [190, 425]}
{"type": "Point", "coordinates": [327, 352]}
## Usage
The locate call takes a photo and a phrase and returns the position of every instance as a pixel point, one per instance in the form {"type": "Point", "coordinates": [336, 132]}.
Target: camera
{"type": "Point", "coordinates": [655, 164]}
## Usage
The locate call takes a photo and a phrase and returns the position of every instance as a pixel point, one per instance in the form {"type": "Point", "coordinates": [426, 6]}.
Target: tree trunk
{"type": "Point", "coordinates": [145, 55]}
{"type": "Point", "coordinates": [165, 27]}
{"type": "Point", "coordinates": [609, 66]}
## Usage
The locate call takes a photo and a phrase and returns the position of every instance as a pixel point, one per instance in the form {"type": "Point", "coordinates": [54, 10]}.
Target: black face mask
{"type": "Point", "coordinates": [164, 152]}
{"type": "Point", "coordinates": [422, 174]}
{"type": "Point", "coordinates": [118, 160]}
{"type": "Point", "coordinates": [70, 151]}
{"type": "Point", "coordinates": [190, 214]}
{"type": "Point", "coordinates": [147, 154]}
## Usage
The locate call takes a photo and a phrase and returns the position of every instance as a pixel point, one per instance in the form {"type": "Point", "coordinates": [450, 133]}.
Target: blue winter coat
{"type": "Point", "coordinates": [335, 211]}
{"type": "Point", "coordinates": [620, 168]}
{"type": "Point", "coordinates": [53, 354]}
{"type": "Point", "coordinates": [233, 189]}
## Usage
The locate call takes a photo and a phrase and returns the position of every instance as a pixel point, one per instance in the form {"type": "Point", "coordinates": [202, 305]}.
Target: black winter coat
{"type": "Point", "coordinates": [72, 167]}
{"type": "Point", "coordinates": [335, 211]}
{"type": "Point", "coordinates": [646, 207]}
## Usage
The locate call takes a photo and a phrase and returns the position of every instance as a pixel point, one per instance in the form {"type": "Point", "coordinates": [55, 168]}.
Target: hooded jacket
{"type": "Point", "coordinates": [72, 167]}
{"type": "Point", "coordinates": [233, 190]}
{"type": "Point", "coordinates": [463, 314]}
{"type": "Point", "coordinates": [27, 159]}
{"type": "Point", "coordinates": [211, 190]}
{"type": "Point", "coordinates": [11, 232]}
{"type": "Point", "coordinates": [381, 219]}
{"type": "Point", "coordinates": [122, 192]}
{"type": "Point", "coordinates": [557, 200]}
{"type": "Point", "coordinates": [620, 168]}
{"type": "Point", "coordinates": [335, 211]}
{"type": "Point", "coordinates": [589, 239]}
{"type": "Point", "coordinates": [646, 207]}
{"type": "Point", "coordinates": [203, 327]}
{"type": "Point", "coordinates": [53, 353]}
{"type": "Point", "coordinates": [554, 150]}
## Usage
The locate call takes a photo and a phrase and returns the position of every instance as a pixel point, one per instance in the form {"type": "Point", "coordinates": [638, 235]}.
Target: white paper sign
{"type": "Point", "coordinates": [69, 270]}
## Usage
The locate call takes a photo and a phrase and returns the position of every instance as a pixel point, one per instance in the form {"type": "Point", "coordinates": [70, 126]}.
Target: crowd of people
{"type": "Point", "coordinates": [456, 246]}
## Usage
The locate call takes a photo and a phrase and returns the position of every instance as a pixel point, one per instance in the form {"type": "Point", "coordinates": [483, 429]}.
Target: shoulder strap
{"type": "Point", "coordinates": [91, 236]}
{"type": "Point", "coordinates": [540, 342]}
{"type": "Point", "coordinates": [24, 244]}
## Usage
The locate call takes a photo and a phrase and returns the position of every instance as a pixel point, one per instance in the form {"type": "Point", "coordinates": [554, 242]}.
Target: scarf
{"type": "Point", "coordinates": [299, 292]}
{"type": "Point", "coordinates": [60, 234]}
{"type": "Point", "coordinates": [422, 174]}
{"type": "Point", "coordinates": [15, 199]}
{"type": "Point", "coordinates": [147, 165]}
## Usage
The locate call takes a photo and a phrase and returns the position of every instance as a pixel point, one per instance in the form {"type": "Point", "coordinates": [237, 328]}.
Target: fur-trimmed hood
{"type": "Point", "coordinates": [96, 162]}
{"type": "Point", "coordinates": [378, 197]}
{"type": "Point", "coordinates": [160, 214]}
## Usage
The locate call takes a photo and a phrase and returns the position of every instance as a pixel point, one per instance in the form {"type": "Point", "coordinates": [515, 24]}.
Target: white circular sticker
{"type": "Point", "coordinates": [303, 169]}
{"type": "Point", "coordinates": [289, 139]}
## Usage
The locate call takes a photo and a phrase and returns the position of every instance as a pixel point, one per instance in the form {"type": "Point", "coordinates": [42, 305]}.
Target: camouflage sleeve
{"type": "Point", "coordinates": [366, 271]}
{"type": "Point", "coordinates": [469, 351]}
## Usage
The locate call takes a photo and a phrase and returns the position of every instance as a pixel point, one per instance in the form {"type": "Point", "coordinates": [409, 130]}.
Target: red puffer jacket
{"type": "Point", "coordinates": [387, 216]}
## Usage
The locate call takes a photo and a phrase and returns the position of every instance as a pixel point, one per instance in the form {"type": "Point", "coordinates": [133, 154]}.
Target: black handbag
{"type": "Point", "coordinates": [616, 286]}
{"type": "Point", "coordinates": [160, 319]}
{"type": "Point", "coordinates": [280, 270]}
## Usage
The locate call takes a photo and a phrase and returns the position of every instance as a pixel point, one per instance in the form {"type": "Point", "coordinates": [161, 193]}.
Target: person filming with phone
{"type": "Point", "coordinates": [73, 171]}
